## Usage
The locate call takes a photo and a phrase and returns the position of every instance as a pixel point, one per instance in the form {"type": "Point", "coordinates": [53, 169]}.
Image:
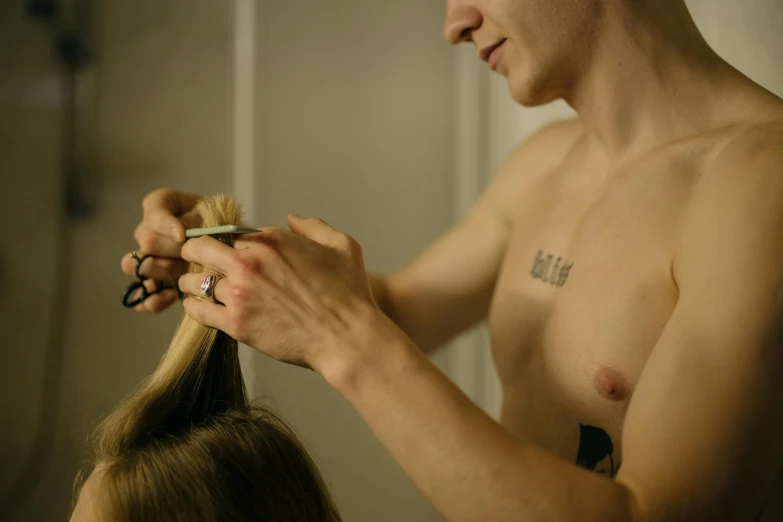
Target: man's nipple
{"type": "Point", "coordinates": [611, 384]}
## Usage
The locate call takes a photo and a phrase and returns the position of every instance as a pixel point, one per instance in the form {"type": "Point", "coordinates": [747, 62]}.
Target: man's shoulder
{"type": "Point", "coordinates": [752, 150]}
{"type": "Point", "coordinates": [744, 177]}
{"type": "Point", "coordinates": [738, 198]}
{"type": "Point", "coordinates": [549, 145]}
{"type": "Point", "coordinates": [534, 156]}
{"type": "Point", "coordinates": [540, 152]}
{"type": "Point", "coordinates": [761, 137]}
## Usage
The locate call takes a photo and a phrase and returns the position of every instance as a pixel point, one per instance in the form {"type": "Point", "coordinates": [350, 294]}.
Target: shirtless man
{"type": "Point", "coordinates": [629, 265]}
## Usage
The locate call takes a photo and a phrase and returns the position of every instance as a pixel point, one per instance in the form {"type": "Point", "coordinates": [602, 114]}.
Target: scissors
{"type": "Point", "coordinates": [136, 293]}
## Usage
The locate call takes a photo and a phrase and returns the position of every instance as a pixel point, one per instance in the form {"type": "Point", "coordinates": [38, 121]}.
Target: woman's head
{"type": "Point", "coordinates": [187, 445]}
{"type": "Point", "coordinates": [236, 466]}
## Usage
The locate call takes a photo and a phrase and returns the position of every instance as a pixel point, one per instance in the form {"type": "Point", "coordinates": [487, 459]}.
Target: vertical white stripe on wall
{"type": "Point", "coordinates": [244, 171]}
{"type": "Point", "coordinates": [466, 362]}
{"type": "Point", "coordinates": [470, 130]}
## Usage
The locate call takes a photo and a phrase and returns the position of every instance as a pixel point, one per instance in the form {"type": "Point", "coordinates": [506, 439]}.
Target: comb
{"type": "Point", "coordinates": [225, 229]}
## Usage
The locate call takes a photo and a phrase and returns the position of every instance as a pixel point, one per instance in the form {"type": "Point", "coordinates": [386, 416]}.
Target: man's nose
{"type": "Point", "coordinates": [462, 18]}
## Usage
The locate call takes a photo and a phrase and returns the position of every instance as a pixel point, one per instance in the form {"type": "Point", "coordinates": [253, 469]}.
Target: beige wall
{"type": "Point", "coordinates": [354, 117]}
{"type": "Point", "coordinates": [163, 119]}
{"type": "Point", "coordinates": [30, 142]}
{"type": "Point", "coordinates": [355, 125]}
{"type": "Point", "coordinates": [747, 34]}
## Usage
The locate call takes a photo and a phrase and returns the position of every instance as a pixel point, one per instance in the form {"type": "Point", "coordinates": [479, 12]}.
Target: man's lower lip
{"type": "Point", "coordinates": [493, 57]}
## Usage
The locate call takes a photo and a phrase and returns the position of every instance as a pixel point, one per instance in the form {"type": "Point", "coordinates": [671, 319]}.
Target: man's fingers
{"type": "Point", "coordinates": [206, 313]}
{"type": "Point", "coordinates": [165, 224]}
{"type": "Point", "coordinates": [157, 244]}
{"type": "Point", "coordinates": [162, 209]}
{"type": "Point", "coordinates": [313, 228]}
{"type": "Point", "coordinates": [320, 231]}
{"type": "Point", "coordinates": [175, 201]}
{"type": "Point", "coordinates": [172, 227]}
{"type": "Point", "coordinates": [210, 253]}
{"type": "Point", "coordinates": [191, 284]}
{"type": "Point", "coordinates": [160, 268]}
{"type": "Point", "coordinates": [161, 235]}
{"type": "Point", "coordinates": [191, 219]}
{"type": "Point", "coordinates": [157, 303]}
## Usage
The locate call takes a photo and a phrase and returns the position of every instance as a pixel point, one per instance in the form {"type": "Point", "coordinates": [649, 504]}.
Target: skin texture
{"type": "Point", "coordinates": [288, 279]}
{"type": "Point", "coordinates": [88, 506]}
{"type": "Point", "coordinates": [166, 215]}
{"type": "Point", "coordinates": [647, 348]}
{"type": "Point", "coordinates": [541, 35]}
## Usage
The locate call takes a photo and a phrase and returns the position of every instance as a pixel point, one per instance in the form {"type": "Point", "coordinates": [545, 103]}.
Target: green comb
{"type": "Point", "coordinates": [226, 229]}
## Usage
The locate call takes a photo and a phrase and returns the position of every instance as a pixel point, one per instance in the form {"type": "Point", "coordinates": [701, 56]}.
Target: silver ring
{"type": "Point", "coordinates": [134, 256]}
{"type": "Point", "coordinates": [208, 285]}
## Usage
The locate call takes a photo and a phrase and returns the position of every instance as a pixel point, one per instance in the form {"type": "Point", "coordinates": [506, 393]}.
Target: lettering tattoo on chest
{"type": "Point", "coordinates": [558, 274]}
{"type": "Point", "coordinates": [595, 451]}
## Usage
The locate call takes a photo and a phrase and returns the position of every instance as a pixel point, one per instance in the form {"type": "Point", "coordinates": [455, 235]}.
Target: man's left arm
{"type": "Point", "coordinates": [703, 436]}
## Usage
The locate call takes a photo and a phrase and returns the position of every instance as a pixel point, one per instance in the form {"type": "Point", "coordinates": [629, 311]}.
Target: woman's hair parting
{"type": "Point", "coordinates": [187, 444]}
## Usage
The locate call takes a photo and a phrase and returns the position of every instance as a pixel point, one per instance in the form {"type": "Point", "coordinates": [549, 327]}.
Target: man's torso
{"type": "Point", "coordinates": [584, 292]}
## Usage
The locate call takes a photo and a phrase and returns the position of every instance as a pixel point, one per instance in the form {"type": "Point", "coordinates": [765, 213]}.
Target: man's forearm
{"type": "Point", "coordinates": [379, 293]}
{"type": "Point", "coordinates": [466, 464]}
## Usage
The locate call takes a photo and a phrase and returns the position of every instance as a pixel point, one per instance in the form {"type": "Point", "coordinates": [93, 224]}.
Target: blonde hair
{"type": "Point", "coordinates": [188, 445]}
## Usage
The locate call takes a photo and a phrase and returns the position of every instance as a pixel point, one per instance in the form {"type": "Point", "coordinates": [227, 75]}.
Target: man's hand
{"type": "Point", "coordinates": [301, 296]}
{"type": "Point", "coordinates": [161, 233]}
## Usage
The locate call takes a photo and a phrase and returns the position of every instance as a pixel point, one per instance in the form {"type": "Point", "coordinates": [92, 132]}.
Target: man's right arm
{"type": "Point", "coordinates": [449, 286]}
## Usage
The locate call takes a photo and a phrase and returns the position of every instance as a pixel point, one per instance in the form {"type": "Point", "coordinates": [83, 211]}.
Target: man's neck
{"type": "Point", "coordinates": [648, 85]}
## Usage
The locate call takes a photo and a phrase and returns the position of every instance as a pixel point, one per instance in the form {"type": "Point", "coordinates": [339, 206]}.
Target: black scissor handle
{"type": "Point", "coordinates": [138, 286]}
{"type": "Point", "coordinates": [139, 261]}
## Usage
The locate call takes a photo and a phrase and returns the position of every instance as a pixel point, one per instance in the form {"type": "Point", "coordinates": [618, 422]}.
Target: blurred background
{"type": "Point", "coordinates": [354, 111]}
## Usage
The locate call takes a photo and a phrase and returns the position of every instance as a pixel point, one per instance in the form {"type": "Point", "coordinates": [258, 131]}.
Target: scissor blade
{"type": "Point", "coordinates": [226, 229]}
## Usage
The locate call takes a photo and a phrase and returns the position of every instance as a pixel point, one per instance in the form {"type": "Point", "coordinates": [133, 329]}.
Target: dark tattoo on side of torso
{"type": "Point", "coordinates": [558, 274]}
{"type": "Point", "coordinates": [596, 451]}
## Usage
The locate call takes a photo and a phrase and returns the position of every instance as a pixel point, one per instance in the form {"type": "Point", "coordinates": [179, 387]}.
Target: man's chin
{"type": "Point", "coordinates": [529, 94]}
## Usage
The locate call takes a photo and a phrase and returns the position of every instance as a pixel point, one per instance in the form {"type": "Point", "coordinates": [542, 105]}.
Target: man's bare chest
{"type": "Point", "coordinates": [584, 292]}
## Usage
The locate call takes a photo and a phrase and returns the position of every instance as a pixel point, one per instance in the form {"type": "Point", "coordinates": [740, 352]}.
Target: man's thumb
{"type": "Point", "coordinates": [316, 229]}
{"type": "Point", "coordinates": [296, 224]}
